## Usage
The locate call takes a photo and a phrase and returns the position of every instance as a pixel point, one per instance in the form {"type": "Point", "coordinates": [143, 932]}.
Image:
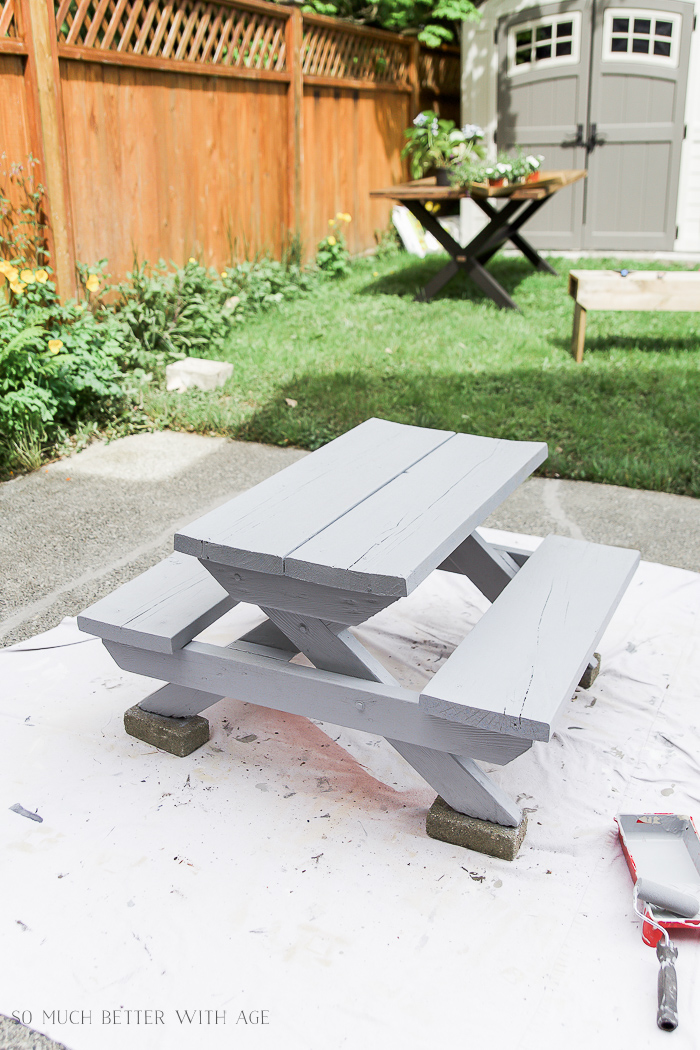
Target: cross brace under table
{"type": "Point", "coordinates": [505, 223]}
{"type": "Point", "coordinates": [504, 226]}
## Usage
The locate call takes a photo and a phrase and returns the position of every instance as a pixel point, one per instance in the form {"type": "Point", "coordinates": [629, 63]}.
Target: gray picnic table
{"type": "Point", "coordinates": [340, 535]}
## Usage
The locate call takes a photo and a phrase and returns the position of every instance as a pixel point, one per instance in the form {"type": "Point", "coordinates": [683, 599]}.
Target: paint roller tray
{"type": "Point", "coordinates": [663, 848]}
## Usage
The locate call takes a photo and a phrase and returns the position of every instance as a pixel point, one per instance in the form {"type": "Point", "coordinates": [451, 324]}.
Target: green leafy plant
{"type": "Point", "coordinates": [434, 22]}
{"type": "Point", "coordinates": [332, 255]}
{"type": "Point", "coordinates": [433, 142]}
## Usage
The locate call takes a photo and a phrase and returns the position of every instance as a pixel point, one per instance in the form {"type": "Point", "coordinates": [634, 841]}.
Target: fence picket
{"type": "Point", "coordinates": [218, 164]}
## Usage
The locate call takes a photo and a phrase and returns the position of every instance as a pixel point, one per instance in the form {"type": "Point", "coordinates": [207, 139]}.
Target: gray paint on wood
{"type": "Point", "coordinates": [257, 677]}
{"type": "Point", "coordinates": [260, 527]}
{"type": "Point", "coordinates": [178, 701]}
{"type": "Point", "coordinates": [309, 599]}
{"type": "Point", "coordinates": [527, 654]}
{"type": "Point", "coordinates": [162, 609]}
{"type": "Point", "coordinates": [267, 633]}
{"type": "Point", "coordinates": [397, 536]}
{"type": "Point", "coordinates": [489, 569]}
{"type": "Point", "coordinates": [462, 784]}
{"type": "Point", "coordinates": [328, 650]}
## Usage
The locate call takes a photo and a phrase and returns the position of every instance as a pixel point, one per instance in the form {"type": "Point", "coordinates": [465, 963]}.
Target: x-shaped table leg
{"type": "Point", "coordinates": [462, 258]}
{"type": "Point", "coordinates": [504, 227]}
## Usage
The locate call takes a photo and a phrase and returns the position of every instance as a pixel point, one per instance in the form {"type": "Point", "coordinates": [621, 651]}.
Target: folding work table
{"type": "Point", "coordinates": [523, 200]}
{"type": "Point", "coordinates": [332, 540]}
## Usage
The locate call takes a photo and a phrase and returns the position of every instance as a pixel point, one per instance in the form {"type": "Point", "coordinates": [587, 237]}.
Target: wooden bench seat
{"type": "Point", "coordinates": [636, 290]}
{"type": "Point", "coordinates": [162, 609]}
{"type": "Point", "coordinates": [527, 654]}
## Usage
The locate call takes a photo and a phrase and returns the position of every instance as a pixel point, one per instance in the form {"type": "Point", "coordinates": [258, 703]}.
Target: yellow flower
{"type": "Point", "coordinates": [11, 273]}
{"type": "Point", "coordinates": [27, 276]}
{"type": "Point", "coordinates": [331, 221]}
{"type": "Point", "coordinates": [55, 346]}
{"type": "Point", "coordinates": [17, 287]}
{"type": "Point", "coordinates": [41, 276]}
{"type": "Point", "coordinates": [331, 241]}
{"type": "Point", "coordinates": [192, 260]}
{"type": "Point", "coordinates": [93, 283]}
{"type": "Point", "coordinates": [376, 273]}
{"type": "Point", "coordinates": [223, 273]}
{"type": "Point", "coordinates": [345, 217]}
{"type": "Point", "coordinates": [4, 265]}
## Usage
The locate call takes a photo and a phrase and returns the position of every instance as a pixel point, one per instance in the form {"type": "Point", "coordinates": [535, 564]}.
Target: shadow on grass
{"type": "Point", "coordinates": [650, 344]}
{"type": "Point", "coordinates": [639, 429]}
{"type": "Point", "coordinates": [409, 280]}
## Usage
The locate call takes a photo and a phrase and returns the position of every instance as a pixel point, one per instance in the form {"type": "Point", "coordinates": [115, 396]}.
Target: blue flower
{"type": "Point", "coordinates": [420, 120]}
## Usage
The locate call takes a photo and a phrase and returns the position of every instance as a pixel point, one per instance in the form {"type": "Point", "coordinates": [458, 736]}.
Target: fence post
{"type": "Point", "coordinates": [43, 60]}
{"type": "Point", "coordinates": [295, 149]}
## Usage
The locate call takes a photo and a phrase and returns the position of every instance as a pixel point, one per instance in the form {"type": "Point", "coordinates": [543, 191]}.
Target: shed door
{"type": "Point", "coordinates": [600, 84]}
{"type": "Point", "coordinates": [638, 89]}
{"type": "Point", "coordinates": [544, 65]}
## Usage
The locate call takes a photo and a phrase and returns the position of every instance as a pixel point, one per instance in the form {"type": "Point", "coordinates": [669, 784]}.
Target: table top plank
{"type": "Point", "coordinates": [391, 541]}
{"type": "Point", "coordinates": [426, 189]}
{"type": "Point", "coordinates": [259, 528]}
{"type": "Point", "coordinates": [526, 655]}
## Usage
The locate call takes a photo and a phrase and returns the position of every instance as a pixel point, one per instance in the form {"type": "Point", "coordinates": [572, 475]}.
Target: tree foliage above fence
{"type": "Point", "coordinates": [435, 22]}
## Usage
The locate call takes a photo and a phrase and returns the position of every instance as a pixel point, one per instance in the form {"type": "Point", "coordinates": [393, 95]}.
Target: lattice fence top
{"type": "Point", "coordinates": [330, 52]}
{"type": "Point", "coordinates": [185, 30]}
{"type": "Point", "coordinates": [440, 71]}
{"type": "Point", "coordinates": [8, 19]}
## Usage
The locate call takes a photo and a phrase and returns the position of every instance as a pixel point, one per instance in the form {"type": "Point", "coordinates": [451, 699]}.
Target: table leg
{"type": "Point", "coordinates": [461, 258]}
{"type": "Point", "coordinates": [578, 336]}
{"type": "Point", "coordinates": [330, 647]}
{"type": "Point", "coordinates": [507, 230]}
{"type": "Point", "coordinates": [437, 282]}
{"type": "Point", "coordinates": [462, 784]}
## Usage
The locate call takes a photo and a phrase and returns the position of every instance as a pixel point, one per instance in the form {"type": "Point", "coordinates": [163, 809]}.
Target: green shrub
{"type": "Point", "coordinates": [332, 255]}
{"type": "Point", "coordinates": [64, 364]}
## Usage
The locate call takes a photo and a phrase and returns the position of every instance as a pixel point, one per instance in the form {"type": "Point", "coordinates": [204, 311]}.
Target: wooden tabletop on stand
{"type": "Point", "coordinates": [428, 190]}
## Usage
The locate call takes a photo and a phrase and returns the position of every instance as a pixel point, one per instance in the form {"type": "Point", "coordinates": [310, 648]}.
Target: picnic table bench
{"type": "Point", "coordinates": [628, 290]}
{"type": "Point", "coordinates": [340, 535]}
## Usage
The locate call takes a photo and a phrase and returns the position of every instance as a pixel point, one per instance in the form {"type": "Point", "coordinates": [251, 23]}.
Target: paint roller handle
{"type": "Point", "coordinates": [667, 1014]}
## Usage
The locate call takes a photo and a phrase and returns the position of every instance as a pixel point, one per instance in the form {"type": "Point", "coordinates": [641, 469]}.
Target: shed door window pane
{"type": "Point", "coordinates": [549, 41]}
{"type": "Point", "coordinates": [641, 36]}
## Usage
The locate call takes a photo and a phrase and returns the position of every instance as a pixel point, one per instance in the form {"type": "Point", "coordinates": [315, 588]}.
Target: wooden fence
{"type": "Point", "coordinates": [178, 128]}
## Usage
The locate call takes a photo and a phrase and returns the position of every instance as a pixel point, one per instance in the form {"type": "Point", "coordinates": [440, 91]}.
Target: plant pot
{"type": "Point", "coordinates": [442, 177]}
{"type": "Point", "coordinates": [534, 176]}
{"type": "Point", "coordinates": [497, 182]}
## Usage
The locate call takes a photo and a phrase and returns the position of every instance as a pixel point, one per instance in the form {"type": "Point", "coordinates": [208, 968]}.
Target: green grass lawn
{"type": "Point", "coordinates": [362, 347]}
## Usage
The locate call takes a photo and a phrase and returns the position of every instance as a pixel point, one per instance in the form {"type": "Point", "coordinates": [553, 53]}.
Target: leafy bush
{"type": "Point", "coordinates": [332, 255]}
{"type": "Point", "coordinates": [58, 365]}
{"type": "Point", "coordinates": [62, 365]}
{"type": "Point", "coordinates": [434, 22]}
{"type": "Point", "coordinates": [160, 315]}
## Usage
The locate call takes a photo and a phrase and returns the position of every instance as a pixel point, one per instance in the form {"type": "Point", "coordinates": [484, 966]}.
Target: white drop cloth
{"type": "Point", "coordinates": [291, 872]}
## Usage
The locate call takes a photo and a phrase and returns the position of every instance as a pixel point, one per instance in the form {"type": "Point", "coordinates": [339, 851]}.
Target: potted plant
{"type": "Point", "coordinates": [499, 173]}
{"type": "Point", "coordinates": [434, 144]}
{"type": "Point", "coordinates": [534, 162]}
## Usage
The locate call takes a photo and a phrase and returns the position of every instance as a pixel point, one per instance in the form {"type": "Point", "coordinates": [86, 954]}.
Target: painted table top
{"type": "Point", "coordinates": [375, 511]}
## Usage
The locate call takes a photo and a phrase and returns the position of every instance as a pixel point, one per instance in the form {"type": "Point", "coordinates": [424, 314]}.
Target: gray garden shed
{"type": "Point", "coordinates": [607, 85]}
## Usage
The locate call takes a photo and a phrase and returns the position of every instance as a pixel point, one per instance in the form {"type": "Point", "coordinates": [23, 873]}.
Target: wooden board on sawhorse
{"type": "Point", "coordinates": [629, 290]}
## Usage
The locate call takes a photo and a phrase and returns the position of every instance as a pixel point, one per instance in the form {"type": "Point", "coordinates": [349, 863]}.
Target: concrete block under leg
{"type": "Point", "coordinates": [179, 736]}
{"type": "Point", "coordinates": [445, 823]}
{"type": "Point", "coordinates": [591, 673]}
